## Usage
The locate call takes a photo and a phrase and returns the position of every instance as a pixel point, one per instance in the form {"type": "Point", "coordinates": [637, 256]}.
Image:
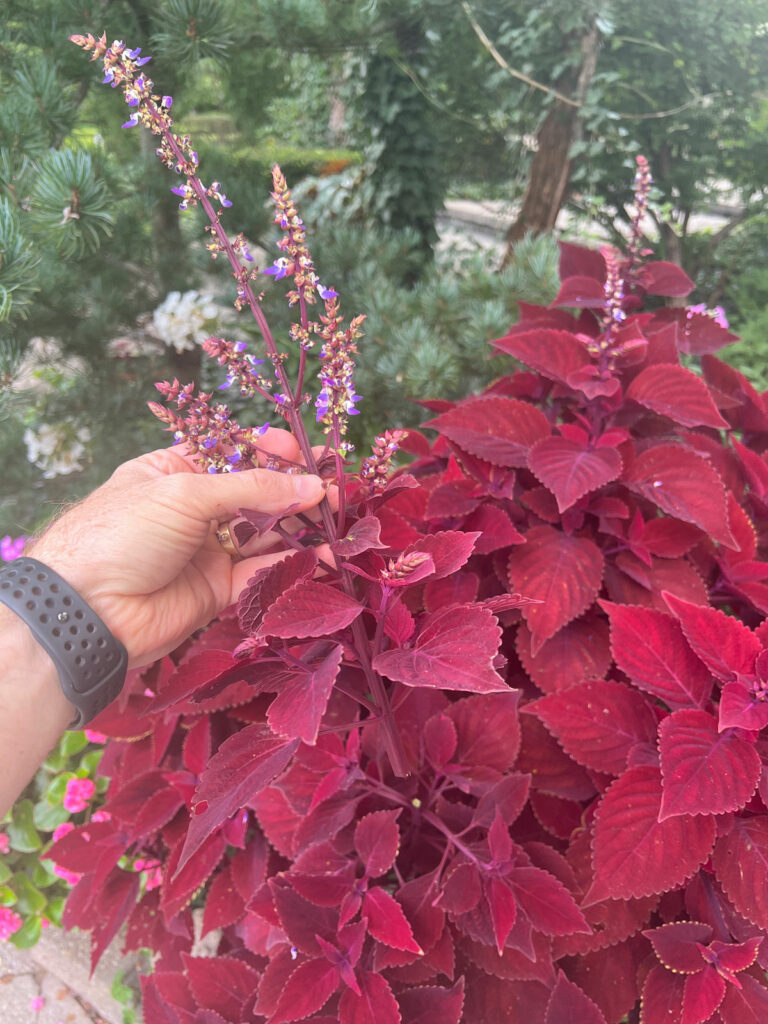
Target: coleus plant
{"type": "Point", "coordinates": [401, 791]}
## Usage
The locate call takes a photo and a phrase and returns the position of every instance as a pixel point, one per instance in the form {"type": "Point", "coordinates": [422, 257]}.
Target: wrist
{"type": "Point", "coordinates": [90, 663]}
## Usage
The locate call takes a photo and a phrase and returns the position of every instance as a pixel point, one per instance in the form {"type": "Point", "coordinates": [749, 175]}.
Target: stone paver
{"type": "Point", "coordinates": [58, 970]}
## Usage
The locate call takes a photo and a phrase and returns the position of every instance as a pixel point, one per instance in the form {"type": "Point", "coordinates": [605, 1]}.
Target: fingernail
{"type": "Point", "coordinates": [309, 487]}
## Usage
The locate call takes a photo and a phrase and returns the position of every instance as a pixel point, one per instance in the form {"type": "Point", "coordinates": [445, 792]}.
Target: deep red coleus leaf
{"type": "Point", "coordinates": [745, 1005]}
{"type": "Point", "coordinates": [569, 1005]}
{"type": "Point", "coordinates": [563, 573]}
{"type": "Point", "coordinates": [362, 535]}
{"type": "Point", "coordinates": [487, 729]}
{"type": "Point", "coordinates": [309, 608]}
{"type": "Point", "coordinates": [726, 646]}
{"type": "Point", "coordinates": [242, 766]}
{"type": "Point", "coordinates": [651, 648]}
{"type": "Point", "coordinates": [556, 355]}
{"type": "Point", "coordinates": [267, 584]}
{"type": "Point", "coordinates": [306, 990]}
{"type": "Point", "coordinates": [377, 839]}
{"type": "Point", "coordinates": [220, 983]}
{"type": "Point", "coordinates": [181, 882]}
{"type": "Point", "coordinates": [704, 771]}
{"type": "Point", "coordinates": [448, 549]}
{"type": "Point", "coordinates": [742, 708]}
{"type": "Point", "coordinates": [684, 485]}
{"type": "Point", "coordinates": [571, 469]}
{"type": "Point", "coordinates": [430, 1004]}
{"type": "Point", "coordinates": [578, 652]}
{"type": "Point", "coordinates": [580, 292]}
{"type": "Point", "coordinates": [499, 430]}
{"type": "Point", "coordinates": [635, 854]}
{"type": "Point", "coordinates": [223, 903]}
{"type": "Point", "coordinates": [678, 393]}
{"type": "Point", "coordinates": [598, 723]}
{"type": "Point", "coordinates": [660, 277]}
{"type": "Point", "coordinates": [740, 860]}
{"type": "Point", "coordinates": [386, 921]}
{"type": "Point", "coordinates": [375, 1005]}
{"type": "Point", "coordinates": [454, 650]}
{"type": "Point", "coordinates": [298, 709]}
{"type": "Point", "coordinates": [117, 898]}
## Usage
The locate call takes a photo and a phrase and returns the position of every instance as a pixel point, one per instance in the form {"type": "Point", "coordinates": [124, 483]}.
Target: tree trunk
{"type": "Point", "coordinates": [550, 170]}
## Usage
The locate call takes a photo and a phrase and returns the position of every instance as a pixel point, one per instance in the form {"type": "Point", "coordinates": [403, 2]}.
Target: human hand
{"type": "Point", "coordinates": [141, 549]}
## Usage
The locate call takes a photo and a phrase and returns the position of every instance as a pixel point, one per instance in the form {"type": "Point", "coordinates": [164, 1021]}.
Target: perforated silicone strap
{"type": "Point", "coordinates": [91, 663]}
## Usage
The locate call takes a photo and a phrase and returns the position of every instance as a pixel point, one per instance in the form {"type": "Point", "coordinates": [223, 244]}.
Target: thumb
{"type": "Point", "coordinates": [219, 496]}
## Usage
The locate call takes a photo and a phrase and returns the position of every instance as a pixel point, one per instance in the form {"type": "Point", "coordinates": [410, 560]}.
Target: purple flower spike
{"type": "Point", "coordinates": [131, 122]}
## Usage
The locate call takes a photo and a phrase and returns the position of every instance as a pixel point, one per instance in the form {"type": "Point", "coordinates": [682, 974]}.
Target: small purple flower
{"type": "Point", "coordinates": [132, 121]}
{"type": "Point", "coordinates": [109, 76]}
{"type": "Point", "coordinates": [278, 269]}
{"type": "Point", "coordinates": [133, 54]}
{"type": "Point", "coordinates": [321, 404]}
{"type": "Point", "coordinates": [326, 293]}
{"type": "Point", "coordinates": [180, 190]}
{"type": "Point", "coordinates": [142, 61]}
{"type": "Point", "coordinates": [234, 458]}
{"type": "Point", "coordinates": [263, 429]}
{"type": "Point", "coordinates": [167, 102]}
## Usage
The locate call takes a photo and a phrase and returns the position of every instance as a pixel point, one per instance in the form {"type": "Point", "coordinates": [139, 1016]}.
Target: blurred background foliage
{"type": "Point", "coordinates": [377, 110]}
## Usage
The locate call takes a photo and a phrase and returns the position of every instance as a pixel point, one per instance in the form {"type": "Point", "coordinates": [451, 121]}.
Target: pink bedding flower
{"type": "Point", "coordinates": [10, 922]}
{"type": "Point", "coordinates": [79, 792]}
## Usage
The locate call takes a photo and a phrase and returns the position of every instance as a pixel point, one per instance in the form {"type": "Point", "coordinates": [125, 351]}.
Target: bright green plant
{"type": "Point", "coordinates": [32, 889]}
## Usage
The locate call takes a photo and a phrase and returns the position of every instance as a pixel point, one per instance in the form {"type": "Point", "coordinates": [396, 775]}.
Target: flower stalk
{"type": "Point", "coordinates": [217, 440]}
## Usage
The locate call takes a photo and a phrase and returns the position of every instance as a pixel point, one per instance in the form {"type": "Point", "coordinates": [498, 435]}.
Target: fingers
{"type": "Point", "coordinates": [219, 496]}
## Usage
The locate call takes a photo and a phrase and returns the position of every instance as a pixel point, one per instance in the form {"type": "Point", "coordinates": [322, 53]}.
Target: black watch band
{"type": "Point", "coordinates": [91, 663]}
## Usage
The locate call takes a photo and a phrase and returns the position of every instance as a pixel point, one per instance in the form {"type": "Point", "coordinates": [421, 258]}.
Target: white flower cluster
{"type": "Point", "coordinates": [57, 450]}
{"type": "Point", "coordinates": [44, 364]}
{"type": "Point", "coordinates": [184, 321]}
